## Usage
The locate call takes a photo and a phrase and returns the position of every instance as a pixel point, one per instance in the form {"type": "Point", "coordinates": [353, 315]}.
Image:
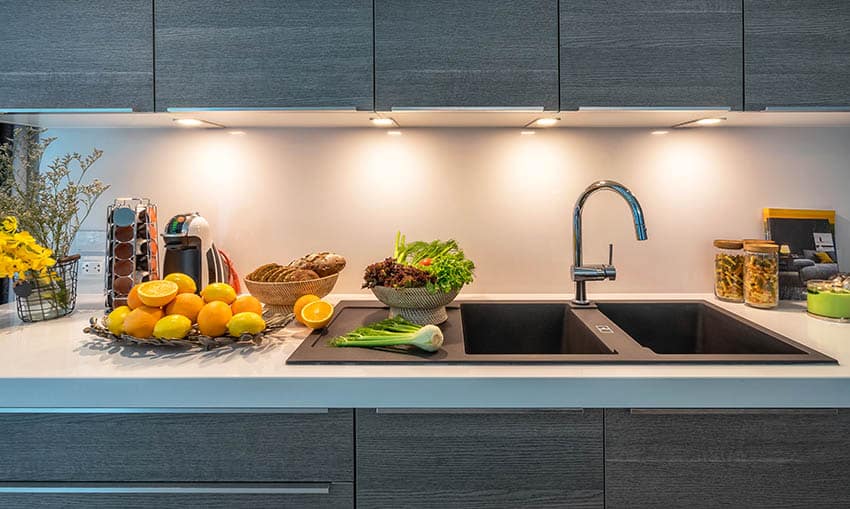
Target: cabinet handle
{"type": "Point", "coordinates": [468, 411]}
{"type": "Point", "coordinates": [170, 488]}
{"type": "Point", "coordinates": [814, 109]}
{"type": "Point", "coordinates": [654, 108]}
{"type": "Point", "coordinates": [733, 411]}
{"type": "Point", "coordinates": [159, 410]}
{"type": "Point", "coordinates": [39, 111]}
{"type": "Point", "coordinates": [518, 109]}
{"type": "Point", "coordinates": [261, 108]}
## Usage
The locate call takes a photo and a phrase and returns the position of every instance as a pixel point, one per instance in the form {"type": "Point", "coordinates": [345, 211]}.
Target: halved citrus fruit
{"type": "Point", "coordinates": [301, 302]}
{"type": "Point", "coordinates": [316, 314]}
{"type": "Point", "coordinates": [184, 282]}
{"type": "Point", "coordinates": [157, 293]}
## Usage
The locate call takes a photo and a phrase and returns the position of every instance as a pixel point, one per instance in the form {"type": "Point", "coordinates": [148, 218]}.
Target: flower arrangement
{"type": "Point", "coordinates": [20, 254]}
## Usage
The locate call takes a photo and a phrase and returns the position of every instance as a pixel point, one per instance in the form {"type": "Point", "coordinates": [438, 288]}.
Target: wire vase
{"type": "Point", "coordinates": [51, 296]}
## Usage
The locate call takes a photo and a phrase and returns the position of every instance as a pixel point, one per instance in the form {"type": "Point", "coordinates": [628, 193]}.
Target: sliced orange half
{"type": "Point", "coordinates": [317, 314]}
{"type": "Point", "coordinates": [157, 293]}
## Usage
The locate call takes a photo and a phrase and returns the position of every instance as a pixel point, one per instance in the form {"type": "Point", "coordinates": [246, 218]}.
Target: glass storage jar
{"type": "Point", "coordinates": [729, 270]}
{"type": "Point", "coordinates": [761, 275]}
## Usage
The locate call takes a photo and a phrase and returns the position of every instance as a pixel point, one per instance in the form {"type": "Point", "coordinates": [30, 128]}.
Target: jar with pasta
{"type": "Point", "coordinates": [729, 270]}
{"type": "Point", "coordinates": [761, 275]}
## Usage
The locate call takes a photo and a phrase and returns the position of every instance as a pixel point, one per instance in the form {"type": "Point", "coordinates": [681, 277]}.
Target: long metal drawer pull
{"type": "Point", "coordinates": [262, 108]}
{"type": "Point", "coordinates": [38, 111]}
{"type": "Point", "coordinates": [465, 411]}
{"type": "Point", "coordinates": [654, 108]}
{"type": "Point", "coordinates": [159, 410]}
{"type": "Point", "coordinates": [518, 109]}
{"type": "Point", "coordinates": [734, 411]}
{"type": "Point", "coordinates": [814, 109]}
{"type": "Point", "coordinates": [170, 488]}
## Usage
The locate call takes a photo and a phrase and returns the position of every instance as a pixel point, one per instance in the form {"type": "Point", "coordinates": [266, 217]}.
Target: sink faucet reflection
{"type": "Point", "coordinates": [583, 273]}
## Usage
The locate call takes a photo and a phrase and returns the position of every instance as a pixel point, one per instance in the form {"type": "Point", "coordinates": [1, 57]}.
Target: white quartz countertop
{"type": "Point", "coordinates": [54, 365]}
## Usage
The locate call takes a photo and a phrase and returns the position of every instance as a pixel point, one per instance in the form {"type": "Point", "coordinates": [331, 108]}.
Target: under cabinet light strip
{"type": "Point", "coordinates": [39, 111]}
{"type": "Point", "coordinates": [293, 109]}
{"type": "Point", "coordinates": [654, 108]}
{"type": "Point", "coordinates": [160, 410]}
{"type": "Point", "coordinates": [517, 109]}
{"type": "Point", "coordinates": [170, 488]}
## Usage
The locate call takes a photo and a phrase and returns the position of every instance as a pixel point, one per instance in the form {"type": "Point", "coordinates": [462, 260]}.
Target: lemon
{"type": "Point", "coordinates": [184, 282]}
{"type": "Point", "coordinates": [317, 314]}
{"type": "Point", "coordinates": [219, 291]}
{"type": "Point", "coordinates": [246, 322]}
{"type": "Point", "coordinates": [301, 302]}
{"type": "Point", "coordinates": [115, 320]}
{"type": "Point", "coordinates": [157, 294]}
{"type": "Point", "coordinates": [172, 327]}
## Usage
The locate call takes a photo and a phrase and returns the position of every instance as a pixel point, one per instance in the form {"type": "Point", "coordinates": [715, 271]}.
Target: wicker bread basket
{"type": "Point", "coordinates": [283, 295]}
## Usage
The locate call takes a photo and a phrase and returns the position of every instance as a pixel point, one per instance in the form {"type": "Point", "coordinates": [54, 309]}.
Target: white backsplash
{"type": "Point", "coordinates": [273, 195]}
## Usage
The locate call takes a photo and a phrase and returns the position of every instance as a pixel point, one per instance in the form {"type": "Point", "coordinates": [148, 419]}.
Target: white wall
{"type": "Point", "coordinates": [273, 195]}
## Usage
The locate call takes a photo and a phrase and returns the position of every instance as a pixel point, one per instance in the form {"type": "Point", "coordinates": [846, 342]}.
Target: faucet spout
{"type": "Point", "coordinates": [581, 274]}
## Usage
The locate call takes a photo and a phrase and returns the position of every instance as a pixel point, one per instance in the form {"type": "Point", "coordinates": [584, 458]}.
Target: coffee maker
{"type": "Point", "coordinates": [189, 249]}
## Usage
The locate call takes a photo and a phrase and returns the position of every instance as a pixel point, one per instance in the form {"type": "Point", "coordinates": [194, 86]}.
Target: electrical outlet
{"type": "Point", "coordinates": [92, 265]}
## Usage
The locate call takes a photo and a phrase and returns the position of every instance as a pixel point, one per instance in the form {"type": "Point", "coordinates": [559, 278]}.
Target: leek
{"type": "Point", "coordinates": [393, 332]}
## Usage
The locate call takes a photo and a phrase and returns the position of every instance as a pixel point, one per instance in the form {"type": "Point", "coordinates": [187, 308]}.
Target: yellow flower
{"type": "Point", "coordinates": [10, 224]}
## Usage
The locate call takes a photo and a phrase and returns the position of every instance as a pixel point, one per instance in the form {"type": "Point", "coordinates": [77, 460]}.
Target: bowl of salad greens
{"type": "Point", "coordinates": [420, 279]}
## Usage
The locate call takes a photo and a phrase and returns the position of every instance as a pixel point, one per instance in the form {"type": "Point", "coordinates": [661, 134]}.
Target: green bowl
{"type": "Point", "coordinates": [829, 304]}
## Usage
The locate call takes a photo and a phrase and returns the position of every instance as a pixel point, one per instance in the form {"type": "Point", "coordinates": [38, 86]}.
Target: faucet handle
{"type": "Point", "coordinates": [610, 254]}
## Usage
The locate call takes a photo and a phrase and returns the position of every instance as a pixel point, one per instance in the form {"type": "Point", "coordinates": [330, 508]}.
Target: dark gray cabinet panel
{"type": "Point", "coordinates": [478, 459]}
{"type": "Point", "coordinates": [264, 53]}
{"type": "Point", "coordinates": [339, 496]}
{"type": "Point", "coordinates": [797, 53]}
{"type": "Point", "coordinates": [787, 459]}
{"type": "Point", "coordinates": [81, 54]}
{"type": "Point", "coordinates": [450, 53]}
{"type": "Point", "coordinates": [177, 447]}
{"type": "Point", "coordinates": [674, 53]}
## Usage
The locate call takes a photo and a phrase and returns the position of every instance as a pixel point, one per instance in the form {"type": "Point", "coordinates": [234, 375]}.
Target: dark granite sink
{"type": "Point", "coordinates": [555, 332]}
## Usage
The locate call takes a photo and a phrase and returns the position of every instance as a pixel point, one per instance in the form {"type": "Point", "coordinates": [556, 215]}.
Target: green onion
{"type": "Point", "coordinates": [393, 332]}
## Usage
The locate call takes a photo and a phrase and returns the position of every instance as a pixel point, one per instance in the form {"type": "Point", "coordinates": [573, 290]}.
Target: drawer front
{"type": "Point", "coordinates": [315, 496]}
{"type": "Point", "coordinates": [731, 458]}
{"type": "Point", "coordinates": [469, 458]}
{"type": "Point", "coordinates": [167, 447]}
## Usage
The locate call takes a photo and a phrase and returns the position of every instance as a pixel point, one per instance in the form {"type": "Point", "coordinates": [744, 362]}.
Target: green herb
{"type": "Point", "coordinates": [393, 332]}
{"type": "Point", "coordinates": [444, 260]}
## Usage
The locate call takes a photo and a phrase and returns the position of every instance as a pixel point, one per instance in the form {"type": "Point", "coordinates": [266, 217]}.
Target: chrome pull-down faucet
{"type": "Point", "coordinates": [583, 273]}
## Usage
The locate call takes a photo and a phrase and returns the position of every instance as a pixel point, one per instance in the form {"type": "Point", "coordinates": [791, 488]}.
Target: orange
{"type": "Point", "coordinates": [316, 314]}
{"type": "Point", "coordinates": [246, 303]}
{"type": "Point", "coordinates": [140, 322]}
{"type": "Point", "coordinates": [219, 291]}
{"type": "Point", "coordinates": [301, 302]}
{"type": "Point", "coordinates": [157, 293]}
{"type": "Point", "coordinates": [186, 304]}
{"type": "Point", "coordinates": [133, 298]}
{"type": "Point", "coordinates": [213, 318]}
{"type": "Point", "coordinates": [184, 282]}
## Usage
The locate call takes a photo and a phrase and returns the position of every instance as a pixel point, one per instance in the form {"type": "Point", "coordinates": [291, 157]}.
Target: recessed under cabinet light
{"type": "Point", "coordinates": [659, 133]}
{"type": "Point", "coordinates": [194, 122]}
{"type": "Point", "coordinates": [546, 122]}
{"type": "Point", "coordinates": [394, 133]}
{"type": "Point", "coordinates": [383, 122]}
{"type": "Point", "coordinates": [237, 133]}
{"type": "Point", "coordinates": [527, 133]}
{"type": "Point", "coordinates": [709, 121]}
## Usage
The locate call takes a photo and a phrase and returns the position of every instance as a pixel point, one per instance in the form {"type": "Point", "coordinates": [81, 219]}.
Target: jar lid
{"type": "Point", "coordinates": [762, 248]}
{"type": "Point", "coordinates": [728, 244]}
{"type": "Point", "coordinates": [758, 241]}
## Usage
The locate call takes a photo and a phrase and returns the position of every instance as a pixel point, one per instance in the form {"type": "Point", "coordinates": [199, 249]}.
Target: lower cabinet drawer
{"type": "Point", "coordinates": [299, 446]}
{"type": "Point", "coordinates": [178, 496]}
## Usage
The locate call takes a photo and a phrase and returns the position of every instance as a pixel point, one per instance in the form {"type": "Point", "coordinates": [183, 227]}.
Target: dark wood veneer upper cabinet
{"type": "Point", "coordinates": [466, 53]}
{"type": "Point", "coordinates": [264, 54]}
{"type": "Point", "coordinates": [797, 53]}
{"type": "Point", "coordinates": [76, 55]}
{"type": "Point", "coordinates": [654, 53]}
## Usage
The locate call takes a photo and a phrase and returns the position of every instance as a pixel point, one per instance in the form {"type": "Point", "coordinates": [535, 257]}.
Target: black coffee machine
{"type": "Point", "coordinates": [189, 249]}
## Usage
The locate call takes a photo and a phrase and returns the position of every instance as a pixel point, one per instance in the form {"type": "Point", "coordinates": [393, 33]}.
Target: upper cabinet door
{"type": "Point", "coordinates": [56, 54]}
{"type": "Point", "coordinates": [466, 53]}
{"type": "Point", "coordinates": [654, 53]}
{"type": "Point", "coordinates": [797, 53]}
{"type": "Point", "coordinates": [263, 54]}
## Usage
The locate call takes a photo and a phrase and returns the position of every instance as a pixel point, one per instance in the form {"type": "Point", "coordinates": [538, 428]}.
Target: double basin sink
{"type": "Point", "coordinates": [557, 332]}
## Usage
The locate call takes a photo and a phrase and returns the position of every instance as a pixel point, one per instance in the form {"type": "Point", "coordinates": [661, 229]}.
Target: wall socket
{"type": "Point", "coordinates": [92, 265]}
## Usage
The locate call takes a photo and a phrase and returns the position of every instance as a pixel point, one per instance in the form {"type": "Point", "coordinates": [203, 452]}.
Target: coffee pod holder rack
{"type": "Point", "coordinates": [132, 253]}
